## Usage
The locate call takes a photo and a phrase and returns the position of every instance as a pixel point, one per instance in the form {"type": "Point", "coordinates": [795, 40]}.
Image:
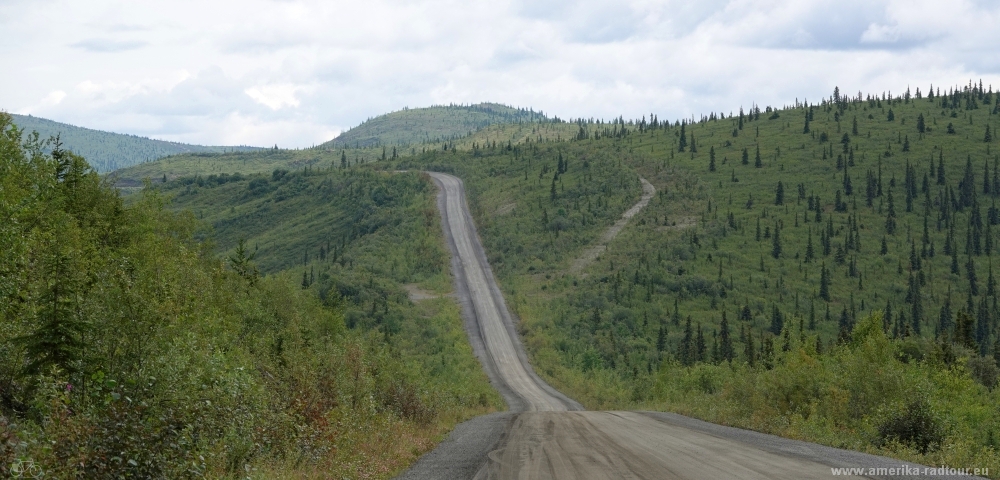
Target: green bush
{"type": "Point", "coordinates": [916, 426]}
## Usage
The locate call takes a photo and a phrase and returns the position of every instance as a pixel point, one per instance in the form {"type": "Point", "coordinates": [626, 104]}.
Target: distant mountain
{"type": "Point", "coordinates": [432, 124]}
{"type": "Point", "coordinates": [107, 151]}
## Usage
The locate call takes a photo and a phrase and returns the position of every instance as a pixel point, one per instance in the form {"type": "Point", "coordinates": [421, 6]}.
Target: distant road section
{"type": "Point", "coordinates": [492, 329]}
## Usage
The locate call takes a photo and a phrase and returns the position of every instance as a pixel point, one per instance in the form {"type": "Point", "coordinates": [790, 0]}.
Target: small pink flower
{"type": "Point", "coordinates": [69, 387]}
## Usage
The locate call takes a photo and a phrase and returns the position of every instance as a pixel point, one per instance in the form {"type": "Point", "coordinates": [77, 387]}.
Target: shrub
{"type": "Point", "coordinates": [984, 370]}
{"type": "Point", "coordinates": [915, 426]}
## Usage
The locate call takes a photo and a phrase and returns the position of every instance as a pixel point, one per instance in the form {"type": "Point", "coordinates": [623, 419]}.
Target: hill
{"type": "Point", "coordinates": [107, 151]}
{"type": "Point", "coordinates": [429, 125]}
{"type": "Point", "coordinates": [822, 271]}
{"type": "Point", "coordinates": [323, 156]}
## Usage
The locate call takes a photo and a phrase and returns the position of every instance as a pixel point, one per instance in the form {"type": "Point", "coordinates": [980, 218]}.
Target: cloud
{"type": "Point", "coordinates": [274, 97]}
{"type": "Point", "coordinates": [294, 72]}
{"type": "Point", "coordinates": [107, 45]}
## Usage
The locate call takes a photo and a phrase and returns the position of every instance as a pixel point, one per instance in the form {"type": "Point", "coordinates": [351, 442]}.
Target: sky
{"type": "Point", "coordinates": [295, 73]}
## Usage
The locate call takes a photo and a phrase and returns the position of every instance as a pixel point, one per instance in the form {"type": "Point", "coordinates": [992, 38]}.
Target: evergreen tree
{"type": "Point", "coordinates": [58, 340]}
{"type": "Point", "coordinates": [970, 268]}
{"type": "Point", "coordinates": [917, 309]}
{"type": "Point", "coordinates": [844, 327]}
{"type": "Point", "coordinates": [661, 338]}
{"type": "Point", "coordinates": [810, 253]}
{"type": "Point", "coordinates": [711, 159]}
{"type": "Point", "coordinates": [777, 320]}
{"type": "Point", "coordinates": [965, 330]}
{"type": "Point", "coordinates": [757, 162]}
{"type": "Point", "coordinates": [890, 218]}
{"type": "Point", "coordinates": [745, 159]}
{"type": "Point", "coordinates": [776, 242]}
{"type": "Point", "coordinates": [779, 195]}
{"type": "Point", "coordinates": [687, 347]}
{"type": "Point", "coordinates": [812, 315]}
{"type": "Point", "coordinates": [682, 145]}
{"type": "Point", "coordinates": [726, 351]}
{"type": "Point", "coordinates": [749, 352]}
{"type": "Point", "coordinates": [700, 347]}
{"type": "Point", "coordinates": [824, 283]}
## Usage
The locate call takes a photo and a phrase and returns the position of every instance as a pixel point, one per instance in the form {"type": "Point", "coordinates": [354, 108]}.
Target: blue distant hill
{"type": "Point", "coordinates": [107, 151]}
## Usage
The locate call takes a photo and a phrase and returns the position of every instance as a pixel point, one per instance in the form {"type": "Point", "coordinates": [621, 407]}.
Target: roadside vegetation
{"type": "Point", "coordinates": [131, 347]}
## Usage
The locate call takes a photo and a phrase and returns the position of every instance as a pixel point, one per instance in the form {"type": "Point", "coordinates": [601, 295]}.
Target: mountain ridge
{"type": "Point", "coordinates": [108, 151]}
{"type": "Point", "coordinates": [431, 124]}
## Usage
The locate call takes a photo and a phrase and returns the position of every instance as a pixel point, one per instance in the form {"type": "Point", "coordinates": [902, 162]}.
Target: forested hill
{"type": "Point", "coordinates": [107, 151]}
{"type": "Point", "coordinates": [431, 124]}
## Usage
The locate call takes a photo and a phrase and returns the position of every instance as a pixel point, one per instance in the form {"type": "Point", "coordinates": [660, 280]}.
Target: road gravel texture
{"type": "Point", "coordinates": [547, 435]}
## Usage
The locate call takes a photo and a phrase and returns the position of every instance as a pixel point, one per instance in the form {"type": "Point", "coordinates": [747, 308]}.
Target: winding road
{"type": "Point", "coordinates": [547, 435]}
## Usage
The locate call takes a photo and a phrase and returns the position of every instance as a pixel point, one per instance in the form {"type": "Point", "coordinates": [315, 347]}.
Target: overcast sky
{"type": "Point", "coordinates": [295, 73]}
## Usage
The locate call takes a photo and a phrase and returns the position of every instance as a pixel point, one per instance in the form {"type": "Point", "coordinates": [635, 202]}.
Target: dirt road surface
{"type": "Point", "coordinates": [547, 435]}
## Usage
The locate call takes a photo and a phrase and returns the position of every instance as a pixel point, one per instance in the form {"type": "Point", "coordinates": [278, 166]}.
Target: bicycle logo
{"type": "Point", "coordinates": [26, 469]}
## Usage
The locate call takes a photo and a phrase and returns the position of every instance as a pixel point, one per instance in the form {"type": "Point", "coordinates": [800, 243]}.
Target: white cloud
{"type": "Point", "coordinates": [294, 72]}
{"type": "Point", "coordinates": [274, 97]}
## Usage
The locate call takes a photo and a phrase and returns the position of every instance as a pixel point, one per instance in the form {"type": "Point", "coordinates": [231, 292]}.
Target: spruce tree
{"type": "Point", "coordinates": [58, 340]}
{"type": "Point", "coordinates": [726, 343]}
{"type": "Point", "coordinates": [700, 346]}
{"type": "Point", "coordinates": [749, 352]}
{"type": "Point", "coordinates": [810, 252]}
{"type": "Point", "coordinates": [776, 242]}
{"type": "Point", "coordinates": [777, 320]}
{"type": "Point", "coordinates": [824, 283]}
{"type": "Point", "coordinates": [661, 338]}
{"type": "Point", "coordinates": [890, 218]}
{"type": "Point", "coordinates": [682, 145]}
{"type": "Point", "coordinates": [687, 347]}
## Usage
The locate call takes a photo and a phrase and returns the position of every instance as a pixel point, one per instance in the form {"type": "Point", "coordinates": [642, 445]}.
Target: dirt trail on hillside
{"type": "Point", "coordinates": [591, 253]}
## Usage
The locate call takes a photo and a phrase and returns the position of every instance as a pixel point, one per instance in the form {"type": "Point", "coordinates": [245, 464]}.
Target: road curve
{"type": "Point", "coordinates": [548, 436]}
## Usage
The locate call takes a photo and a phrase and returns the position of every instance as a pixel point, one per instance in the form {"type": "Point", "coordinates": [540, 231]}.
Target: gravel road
{"type": "Point", "coordinates": [547, 435]}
